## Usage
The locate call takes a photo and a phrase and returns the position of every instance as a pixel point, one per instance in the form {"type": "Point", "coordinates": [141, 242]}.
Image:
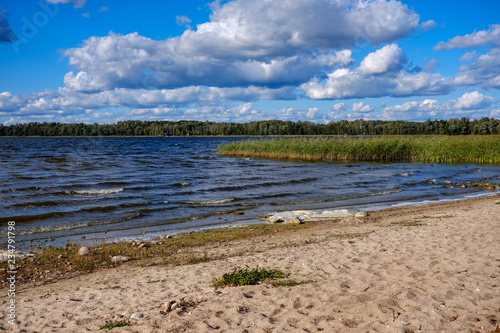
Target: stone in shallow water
{"type": "Point", "coordinates": [275, 219]}
{"type": "Point", "coordinates": [332, 214]}
{"type": "Point", "coordinates": [292, 220]}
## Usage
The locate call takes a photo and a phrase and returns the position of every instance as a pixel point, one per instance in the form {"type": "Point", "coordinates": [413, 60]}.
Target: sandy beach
{"type": "Point", "coordinates": [428, 268]}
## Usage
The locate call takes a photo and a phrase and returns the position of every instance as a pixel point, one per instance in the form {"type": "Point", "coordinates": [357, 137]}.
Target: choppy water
{"type": "Point", "coordinates": [112, 188]}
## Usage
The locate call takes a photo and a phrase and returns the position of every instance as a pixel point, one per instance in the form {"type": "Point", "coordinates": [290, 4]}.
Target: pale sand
{"type": "Point", "coordinates": [431, 268]}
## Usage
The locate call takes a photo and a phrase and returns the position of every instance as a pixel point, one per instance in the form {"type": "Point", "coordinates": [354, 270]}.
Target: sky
{"type": "Point", "coordinates": [104, 61]}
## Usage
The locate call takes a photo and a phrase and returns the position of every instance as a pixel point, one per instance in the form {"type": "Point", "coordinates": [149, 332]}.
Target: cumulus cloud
{"type": "Point", "coordinates": [473, 100]}
{"type": "Point", "coordinates": [76, 3]}
{"type": "Point", "coordinates": [469, 56]}
{"type": "Point", "coordinates": [362, 108]}
{"type": "Point", "coordinates": [143, 102]}
{"type": "Point", "coordinates": [390, 58]}
{"type": "Point", "coordinates": [475, 39]}
{"type": "Point", "coordinates": [6, 33]}
{"type": "Point", "coordinates": [258, 42]}
{"type": "Point", "coordinates": [379, 74]}
{"type": "Point", "coordinates": [338, 112]}
{"type": "Point", "coordinates": [183, 21]}
{"type": "Point", "coordinates": [134, 61]}
{"type": "Point", "coordinates": [428, 25]}
{"type": "Point", "coordinates": [483, 72]}
{"type": "Point", "coordinates": [472, 104]}
{"type": "Point", "coordinates": [431, 65]}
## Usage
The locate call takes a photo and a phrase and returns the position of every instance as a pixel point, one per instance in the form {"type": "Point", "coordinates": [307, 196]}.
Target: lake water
{"type": "Point", "coordinates": [111, 188]}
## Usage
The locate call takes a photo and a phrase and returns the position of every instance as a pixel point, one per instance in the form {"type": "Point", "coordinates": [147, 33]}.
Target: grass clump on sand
{"type": "Point", "coordinates": [289, 283]}
{"type": "Point", "coordinates": [246, 276]}
{"type": "Point", "coordinates": [110, 326]}
{"type": "Point", "coordinates": [442, 149]}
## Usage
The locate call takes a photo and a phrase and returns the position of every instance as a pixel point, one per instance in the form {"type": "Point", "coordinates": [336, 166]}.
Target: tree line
{"type": "Point", "coordinates": [463, 126]}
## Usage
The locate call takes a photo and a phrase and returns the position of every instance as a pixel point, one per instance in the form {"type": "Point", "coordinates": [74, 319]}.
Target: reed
{"type": "Point", "coordinates": [442, 149]}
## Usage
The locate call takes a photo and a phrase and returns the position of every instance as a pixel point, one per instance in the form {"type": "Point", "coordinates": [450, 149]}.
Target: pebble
{"type": "Point", "coordinates": [174, 306]}
{"type": "Point", "coordinates": [83, 251]}
{"type": "Point", "coordinates": [120, 258]}
{"type": "Point", "coordinates": [136, 315]}
{"type": "Point", "coordinates": [360, 214]}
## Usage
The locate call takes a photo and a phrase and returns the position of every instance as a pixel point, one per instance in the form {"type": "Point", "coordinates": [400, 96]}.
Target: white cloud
{"type": "Point", "coordinates": [473, 100]}
{"type": "Point", "coordinates": [339, 107]}
{"type": "Point", "coordinates": [362, 108]}
{"type": "Point", "coordinates": [245, 42]}
{"type": "Point", "coordinates": [470, 104]}
{"type": "Point", "coordinates": [431, 65]}
{"type": "Point", "coordinates": [390, 58]}
{"type": "Point", "coordinates": [134, 61]}
{"type": "Point", "coordinates": [76, 3]}
{"type": "Point", "coordinates": [154, 112]}
{"type": "Point", "coordinates": [469, 56]}
{"type": "Point", "coordinates": [183, 21]}
{"type": "Point", "coordinates": [483, 72]}
{"type": "Point", "coordinates": [380, 74]}
{"type": "Point", "coordinates": [475, 39]}
{"type": "Point", "coordinates": [315, 113]}
{"type": "Point", "coordinates": [428, 25]}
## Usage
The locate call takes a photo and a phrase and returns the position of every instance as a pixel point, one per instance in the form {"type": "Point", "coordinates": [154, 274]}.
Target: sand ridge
{"type": "Point", "coordinates": [429, 268]}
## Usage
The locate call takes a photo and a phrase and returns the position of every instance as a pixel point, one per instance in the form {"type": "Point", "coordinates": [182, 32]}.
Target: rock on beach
{"type": "Point", "coordinates": [83, 251]}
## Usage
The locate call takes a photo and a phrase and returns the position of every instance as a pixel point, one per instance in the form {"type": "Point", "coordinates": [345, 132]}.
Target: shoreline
{"type": "Point", "coordinates": [97, 238]}
{"type": "Point", "coordinates": [424, 262]}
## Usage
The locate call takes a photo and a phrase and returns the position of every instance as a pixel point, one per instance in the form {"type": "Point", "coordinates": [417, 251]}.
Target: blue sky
{"type": "Point", "coordinates": [243, 60]}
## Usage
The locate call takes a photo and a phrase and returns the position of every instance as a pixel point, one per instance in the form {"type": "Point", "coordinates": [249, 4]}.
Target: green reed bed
{"type": "Point", "coordinates": [456, 149]}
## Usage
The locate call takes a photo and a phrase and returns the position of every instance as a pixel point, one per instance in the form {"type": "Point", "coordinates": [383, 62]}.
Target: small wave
{"type": "Point", "coordinates": [43, 204]}
{"type": "Point", "coordinates": [405, 174]}
{"type": "Point", "coordinates": [28, 218]}
{"type": "Point", "coordinates": [268, 196]}
{"type": "Point", "coordinates": [39, 230]}
{"type": "Point", "coordinates": [258, 185]}
{"type": "Point", "coordinates": [217, 202]}
{"type": "Point", "coordinates": [23, 189]}
{"type": "Point", "coordinates": [96, 192]}
{"type": "Point", "coordinates": [206, 157]}
{"type": "Point", "coordinates": [181, 184]}
{"type": "Point", "coordinates": [474, 171]}
{"type": "Point", "coordinates": [303, 180]}
{"type": "Point", "coordinates": [374, 194]}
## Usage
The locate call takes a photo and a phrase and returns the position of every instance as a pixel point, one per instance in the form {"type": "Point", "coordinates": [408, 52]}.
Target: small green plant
{"type": "Point", "coordinates": [247, 276]}
{"type": "Point", "coordinates": [155, 281]}
{"type": "Point", "coordinates": [110, 326]}
{"type": "Point", "coordinates": [351, 242]}
{"type": "Point", "coordinates": [289, 283]}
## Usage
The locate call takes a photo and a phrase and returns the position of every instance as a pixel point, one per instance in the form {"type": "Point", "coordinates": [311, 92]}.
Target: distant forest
{"type": "Point", "coordinates": [463, 126]}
